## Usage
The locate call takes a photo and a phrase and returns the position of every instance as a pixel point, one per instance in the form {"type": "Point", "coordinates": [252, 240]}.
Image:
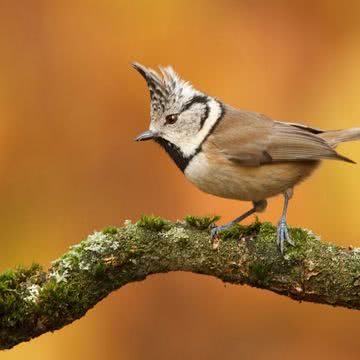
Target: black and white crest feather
{"type": "Point", "coordinates": [165, 91]}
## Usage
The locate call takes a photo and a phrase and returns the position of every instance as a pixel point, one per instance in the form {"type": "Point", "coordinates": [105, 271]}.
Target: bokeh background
{"type": "Point", "coordinates": [70, 106]}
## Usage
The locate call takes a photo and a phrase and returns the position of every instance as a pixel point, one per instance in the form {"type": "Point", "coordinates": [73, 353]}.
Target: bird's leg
{"type": "Point", "coordinates": [258, 207]}
{"type": "Point", "coordinates": [282, 229]}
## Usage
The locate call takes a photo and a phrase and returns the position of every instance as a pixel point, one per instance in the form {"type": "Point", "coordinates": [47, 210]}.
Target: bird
{"type": "Point", "coordinates": [232, 153]}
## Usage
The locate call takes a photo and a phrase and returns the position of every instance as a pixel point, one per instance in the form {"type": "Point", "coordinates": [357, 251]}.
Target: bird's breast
{"type": "Point", "coordinates": [219, 176]}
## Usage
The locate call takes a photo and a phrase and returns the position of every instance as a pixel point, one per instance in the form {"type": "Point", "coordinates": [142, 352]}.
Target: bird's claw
{"type": "Point", "coordinates": [215, 232]}
{"type": "Point", "coordinates": [283, 235]}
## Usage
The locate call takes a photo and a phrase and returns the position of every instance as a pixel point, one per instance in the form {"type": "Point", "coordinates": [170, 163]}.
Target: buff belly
{"type": "Point", "coordinates": [227, 179]}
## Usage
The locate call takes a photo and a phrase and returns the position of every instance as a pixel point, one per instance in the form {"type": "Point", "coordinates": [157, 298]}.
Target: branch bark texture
{"type": "Point", "coordinates": [34, 301]}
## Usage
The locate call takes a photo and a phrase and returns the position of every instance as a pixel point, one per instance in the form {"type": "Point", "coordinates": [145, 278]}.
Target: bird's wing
{"type": "Point", "coordinates": [253, 139]}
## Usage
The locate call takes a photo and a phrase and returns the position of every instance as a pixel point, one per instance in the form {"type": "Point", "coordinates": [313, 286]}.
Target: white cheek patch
{"type": "Point", "coordinates": [190, 145]}
{"type": "Point", "coordinates": [191, 118]}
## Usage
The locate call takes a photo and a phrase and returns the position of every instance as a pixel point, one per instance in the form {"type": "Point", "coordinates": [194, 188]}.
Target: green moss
{"type": "Point", "coordinates": [153, 223]}
{"type": "Point", "coordinates": [12, 279]}
{"type": "Point", "coordinates": [110, 230]}
{"type": "Point", "coordinates": [99, 269]}
{"type": "Point", "coordinates": [258, 272]}
{"type": "Point", "coordinates": [268, 231]}
{"type": "Point", "coordinates": [201, 222]}
{"type": "Point", "coordinates": [14, 304]}
{"type": "Point", "coordinates": [8, 280]}
{"type": "Point", "coordinates": [13, 310]}
{"type": "Point", "coordinates": [59, 302]}
{"type": "Point", "coordinates": [238, 231]}
{"type": "Point", "coordinates": [302, 239]}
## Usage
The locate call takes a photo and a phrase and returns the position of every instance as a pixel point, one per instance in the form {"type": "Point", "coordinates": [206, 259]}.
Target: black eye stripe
{"type": "Point", "coordinates": [196, 99]}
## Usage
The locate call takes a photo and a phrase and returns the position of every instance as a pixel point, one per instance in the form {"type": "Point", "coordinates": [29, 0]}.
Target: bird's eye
{"type": "Point", "coordinates": [171, 119]}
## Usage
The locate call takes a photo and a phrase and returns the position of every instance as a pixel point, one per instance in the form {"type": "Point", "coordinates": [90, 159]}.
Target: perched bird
{"type": "Point", "coordinates": [232, 153]}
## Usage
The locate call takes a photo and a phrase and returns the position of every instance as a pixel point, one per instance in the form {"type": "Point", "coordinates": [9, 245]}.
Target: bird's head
{"type": "Point", "coordinates": [181, 117]}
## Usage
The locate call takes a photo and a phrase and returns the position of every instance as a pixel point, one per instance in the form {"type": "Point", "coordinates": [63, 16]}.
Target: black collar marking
{"type": "Point", "coordinates": [222, 113]}
{"type": "Point", "coordinates": [177, 155]}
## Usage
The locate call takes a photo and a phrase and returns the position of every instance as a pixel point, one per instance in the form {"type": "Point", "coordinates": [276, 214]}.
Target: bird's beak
{"type": "Point", "coordinates": [146, 135]}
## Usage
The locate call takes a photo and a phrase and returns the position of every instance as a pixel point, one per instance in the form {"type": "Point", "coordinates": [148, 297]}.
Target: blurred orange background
{"type": "Point", "coordinates": [70, 106]}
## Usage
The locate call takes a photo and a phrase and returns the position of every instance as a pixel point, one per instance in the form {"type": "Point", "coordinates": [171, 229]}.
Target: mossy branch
{"type": "Point", "coordinates": [33, 301]}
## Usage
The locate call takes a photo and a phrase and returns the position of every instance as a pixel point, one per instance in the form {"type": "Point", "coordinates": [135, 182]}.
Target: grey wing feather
{"type": "Point", "coordinates": [292, 143]}
{"type": "Point", "coordinates": [253, 139]}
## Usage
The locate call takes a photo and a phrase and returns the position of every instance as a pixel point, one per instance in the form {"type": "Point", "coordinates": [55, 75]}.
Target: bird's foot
{"type": "Point", "coordinates": [283, 235]}
{"type": "Point", "coordinates": [215, 231]}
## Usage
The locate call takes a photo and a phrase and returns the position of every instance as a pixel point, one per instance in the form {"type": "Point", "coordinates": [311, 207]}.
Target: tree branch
{"type": "Point", "coordinates": [33, 301]}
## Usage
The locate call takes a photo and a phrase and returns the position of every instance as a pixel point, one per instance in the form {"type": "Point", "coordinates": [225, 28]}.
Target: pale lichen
{"type": "Point", "coordinates": [99, 242]}
{"type": "Point", "coordinates": [176, 233]}
{"type": "Point", "coordinates": [85, 255]}
{"type": "Point", "coordinates": [32, 293]}
{"type": "Point", "coordinates": [59, 275]}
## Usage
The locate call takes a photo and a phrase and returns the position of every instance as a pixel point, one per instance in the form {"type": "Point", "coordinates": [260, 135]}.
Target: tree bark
{"type": "Point", "coordinates": [33, 301]}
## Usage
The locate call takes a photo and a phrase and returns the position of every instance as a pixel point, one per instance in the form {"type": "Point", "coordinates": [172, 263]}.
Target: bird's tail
{"type": "Point", "coordinates": [335, 137]}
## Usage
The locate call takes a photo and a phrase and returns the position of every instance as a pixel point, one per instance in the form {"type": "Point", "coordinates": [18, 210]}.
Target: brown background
{"type": "Point", "coordinates": [70, 106]}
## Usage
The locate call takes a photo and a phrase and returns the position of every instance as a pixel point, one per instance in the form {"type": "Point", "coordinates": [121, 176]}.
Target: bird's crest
{"type": "Point", "coordinates": [167, 89]}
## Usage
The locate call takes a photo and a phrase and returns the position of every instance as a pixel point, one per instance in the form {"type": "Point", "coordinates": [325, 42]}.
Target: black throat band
{"type": "Point", "coordinates": [175, 153]}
